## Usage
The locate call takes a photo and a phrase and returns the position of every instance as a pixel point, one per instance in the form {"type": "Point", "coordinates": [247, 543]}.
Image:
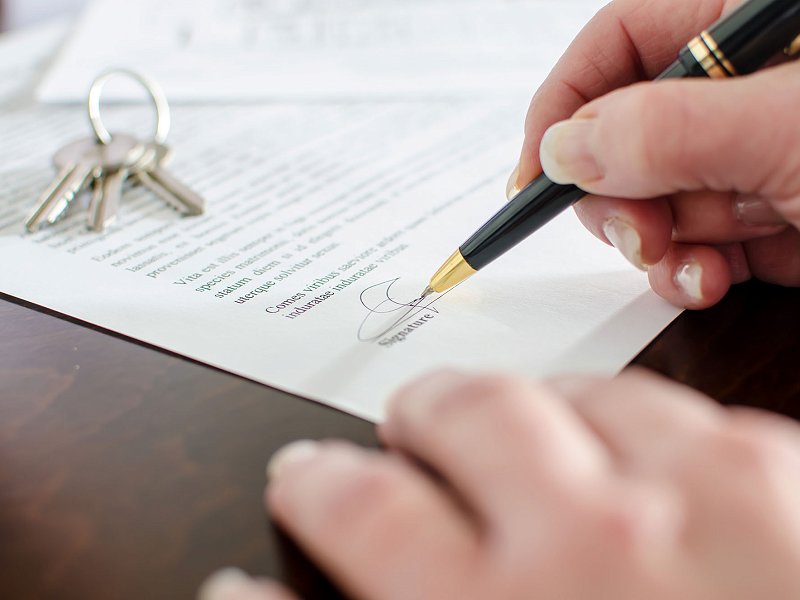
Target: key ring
{"type": "Point", "coordinates": [163, 117]}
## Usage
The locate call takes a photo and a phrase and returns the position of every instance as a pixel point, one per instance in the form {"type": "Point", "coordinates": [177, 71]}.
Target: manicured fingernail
{"type": "Point", "coordinates": [625, 239]}
{"type": "Point", "coordinates": [227, 584]}
{"type": "Point", "coordinates": [689, 279]}
{"type": "Point", "coordinates": [755, 211]}
{"type": "Point", "coordinates": [512, 187]}
{"type": "Point", "coordinates": [566, 153]}
{"type": "Point", "coordinates": [296, 452]}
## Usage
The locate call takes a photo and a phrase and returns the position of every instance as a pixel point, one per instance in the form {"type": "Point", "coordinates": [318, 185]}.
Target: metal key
{"type": "Point", "coordinates": [116, 161]}
{"type": "Point", "coordinates": [108, 166]}
{"type": "Point", "coordinates": [106, 162]}
{"type": "Point", "coordinates": [153, 175]}
{"type": "Point", "coordinates": [76, 163]}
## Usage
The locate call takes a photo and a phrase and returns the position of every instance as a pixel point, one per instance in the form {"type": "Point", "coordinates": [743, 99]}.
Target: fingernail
{"type": "Point", "coordinates": [689, 279]}
{"type": "Point", "coordinates": [227, 584]}
{"type": "Point", "coordinates": [755, 211]}
{"type": "Point", "coordinates": [296, 452]}
{"type": "Point", "coordinates": [512, 187]}
{"type": "Point", "coordinates": [566, 153]}
{"type": "Point", "coordinates": [625, 239]}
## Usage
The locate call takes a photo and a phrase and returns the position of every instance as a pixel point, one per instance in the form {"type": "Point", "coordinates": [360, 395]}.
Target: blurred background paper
{"type": "Point", "coordinates": [247, 50]}
{"type": "Point", "coordinates": [17, 14]}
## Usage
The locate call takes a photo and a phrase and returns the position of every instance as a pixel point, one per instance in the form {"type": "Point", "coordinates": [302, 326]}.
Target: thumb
{"type": "Point", "coordinates": [653, 139]}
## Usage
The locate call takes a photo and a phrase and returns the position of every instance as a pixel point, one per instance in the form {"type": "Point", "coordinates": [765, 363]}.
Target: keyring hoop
{"type": "Point", "coordinates": [163, 118]}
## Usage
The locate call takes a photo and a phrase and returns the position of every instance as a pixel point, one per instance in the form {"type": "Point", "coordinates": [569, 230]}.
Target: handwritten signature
{"type": "Point", "coordinates": [387, 312]}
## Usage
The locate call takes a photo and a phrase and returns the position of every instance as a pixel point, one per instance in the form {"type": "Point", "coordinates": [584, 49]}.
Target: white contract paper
{"type": "Point", "coordinates": [220, 50]}
{"type": "Point", "coordinates": [325, 221]}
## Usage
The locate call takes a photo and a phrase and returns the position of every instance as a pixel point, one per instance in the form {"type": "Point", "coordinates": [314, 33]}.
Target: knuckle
{"type": "Point", "coordinates": [779, 153]}
{"type": "Point", "coordinates": [762, 423]}
{"type": "Point", "coordinates": [476, 395]}
{"type": "Point", "coordinates": [777, 437]}
{"type": "Point", "coordinates": [666, 117]}
{"type": "Point", "coordinates": [367, 493]}
{"type": "Point", "coordinates": [638, 519]}
{"type": "Point", "coordinates": [643, 157]}
{"type": "Point", "coordinates": [752, 454]}
{"type": "Point", "coordinates": [496, 387]}
{"type": "Point", "coordinates": [621, 527]}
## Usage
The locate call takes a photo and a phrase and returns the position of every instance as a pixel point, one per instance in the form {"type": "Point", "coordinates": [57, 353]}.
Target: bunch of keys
{"type": "Point", "coordinates": [103, 164]}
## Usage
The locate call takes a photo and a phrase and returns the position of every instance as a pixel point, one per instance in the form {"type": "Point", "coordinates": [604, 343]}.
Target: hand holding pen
{"type": "Point", "coordinates": [718, 155]}
{"type": "Point", "coordinates": [581, 488]}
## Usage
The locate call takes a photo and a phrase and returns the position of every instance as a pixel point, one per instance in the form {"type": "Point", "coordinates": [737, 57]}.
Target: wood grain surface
{"type": "Point", "coordinates": [127, 472]}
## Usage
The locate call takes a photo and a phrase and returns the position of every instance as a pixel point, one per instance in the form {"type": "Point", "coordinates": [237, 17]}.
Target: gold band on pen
{"type": "Point", "coordinates": [710, 57]}
{"type": "Point", "coordinates": [718, 54]}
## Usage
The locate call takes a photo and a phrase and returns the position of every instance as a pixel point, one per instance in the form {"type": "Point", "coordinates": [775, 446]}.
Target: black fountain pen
{"type": "Point", "coordinates": [735, 45]}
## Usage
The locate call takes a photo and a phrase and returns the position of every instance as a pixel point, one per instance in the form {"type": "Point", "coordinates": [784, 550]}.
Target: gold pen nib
{"type": "Point", "coordinates": [451, 273]}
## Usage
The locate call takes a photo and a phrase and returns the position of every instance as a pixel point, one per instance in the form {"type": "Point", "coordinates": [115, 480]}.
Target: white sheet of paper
{"type": "Point", "coordinates": [314, 211]}
{"type": "Point", "coordinates": [244, 50]}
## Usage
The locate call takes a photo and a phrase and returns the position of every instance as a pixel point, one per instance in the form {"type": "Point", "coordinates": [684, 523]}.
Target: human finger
{"type": "Point", "coordinates": [233, 584]}
{"type": "Point", "coordinates": [691, 276]}
{"type": "Point", "coordinates": [775, 259]}
{"type": "Point", "coordinates": [640, 229]}
{"type": "Point", "coordinates": [688, 138]}
{"type": "Point", "coordinates": [643, 419]}
{"type": "Point", "coordinates": [377, 524]}
{"type": "Point", "coordinates": [770, 426]}
{"type": "Point", "coordinates": [627, 41]}
{"type": "Point", "coordinates": [533, 452]}
{"type": "Point", "coordinates": [710, 217]}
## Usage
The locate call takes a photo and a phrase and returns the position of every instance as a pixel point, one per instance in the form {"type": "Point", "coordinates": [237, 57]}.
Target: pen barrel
{"type": "Point", "coordinates": [755, 32]}
{"type": "Point", "coordinates": [685, 66]}
{"type": "Point", "coordinates": [537, 204]}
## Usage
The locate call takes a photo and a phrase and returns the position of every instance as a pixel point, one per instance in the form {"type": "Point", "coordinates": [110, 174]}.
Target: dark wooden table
{"type": "Point", "coordinates": [127, 472]}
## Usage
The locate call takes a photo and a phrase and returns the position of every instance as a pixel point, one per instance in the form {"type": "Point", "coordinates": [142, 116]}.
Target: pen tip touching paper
{"type": "Point", "coordinates": [427, 292]}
